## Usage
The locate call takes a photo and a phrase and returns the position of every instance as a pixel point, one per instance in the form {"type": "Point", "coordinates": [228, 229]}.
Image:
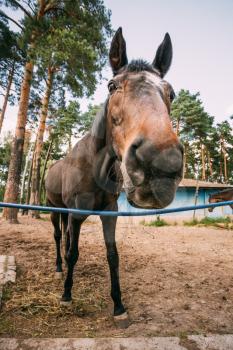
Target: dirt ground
{"type": "Point", "coordinates": [175, 281]}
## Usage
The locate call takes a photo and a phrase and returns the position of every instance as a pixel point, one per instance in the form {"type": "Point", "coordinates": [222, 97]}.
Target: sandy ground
{"type": "Point", "coordinates": [175, 281]}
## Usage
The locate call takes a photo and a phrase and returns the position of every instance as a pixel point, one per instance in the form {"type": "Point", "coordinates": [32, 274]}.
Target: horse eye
{"type": "Point", "coordinates": [172, 95]}
{"type": "Point", "coordinates": [116, 120]}
{"type": "Point", "coordinates": [111, 87]}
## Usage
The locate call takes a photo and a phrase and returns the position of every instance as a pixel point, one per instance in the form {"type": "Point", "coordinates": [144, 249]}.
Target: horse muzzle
{"type": "Point", "coordinates": [150, 176]}
{"type": "Point", "coordinates": [157, 193]}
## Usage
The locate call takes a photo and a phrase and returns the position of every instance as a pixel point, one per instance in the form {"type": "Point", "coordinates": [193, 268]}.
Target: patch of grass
{"type": "Point", "coordinates": [156, 223]}
{"type": "Point", "coordinates": [192, 222]}
{"type": "Point", "coordinates": [7, 292]}
{"type": "Point", "coordinates": [207, 221]}
{"type": "Point", "coordinates": [183, 335]}
{"type": "Point", "coordinates": [6, 326]}
{"type": "Point", "coordinates": [212, 221]}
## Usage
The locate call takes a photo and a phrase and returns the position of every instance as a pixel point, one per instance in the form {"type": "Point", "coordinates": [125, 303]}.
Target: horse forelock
{"type": "Point", "coordinates": [138, 65]}
{"type": "Point", "coordinates": [144, 79]}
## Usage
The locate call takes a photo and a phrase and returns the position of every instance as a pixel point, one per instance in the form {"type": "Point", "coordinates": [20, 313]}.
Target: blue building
{"type": "Point", "coordinates": [185, 196]}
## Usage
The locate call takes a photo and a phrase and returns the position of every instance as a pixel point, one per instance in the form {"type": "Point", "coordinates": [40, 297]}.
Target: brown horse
{"type": "Point", "coordinates": [131, 142]}
{"type": "Point", "coordinates": [225, 195]}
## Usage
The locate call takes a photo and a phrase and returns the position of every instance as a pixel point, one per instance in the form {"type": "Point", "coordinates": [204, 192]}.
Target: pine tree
{"type": "Point", "coordinates": [11, 60]}
{"type": "Point", "coordinates": [53, 29]}
{"type": "Point", "coordinates": [193, 125]}
{"type": "Point", "coordinates": [225, 134]}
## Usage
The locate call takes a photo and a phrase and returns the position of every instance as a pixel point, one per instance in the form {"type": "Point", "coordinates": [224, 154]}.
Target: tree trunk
{"type": "Point", "coordinates": [35, 187]}
{"type": "Point", "coordinates": [196, 197]}
{"type": "Point", "coordinates": [203, 162]}
{"type": "Point", "coordinates": [45, 166]}
{"type": "Point", "coordinates": [224, 153]}
{"type": "Point", "coordinates": [220, 169]}
{"type": "Point", "coordinates": [178, 127]}
{"type": "Point", "coordinates": [225, 166]}
{"type": "Point", "coordinates": [10, 79]}
{"type": "Point", "coordinates": [25, 172]}
{"type": "Point", "coordinates": [69, 144]}
{"type": "Point", "coordinates": [13, 180]}
{"type": "Point", "coordinates": [184, 160]}
{"type": "Point", "coordinates": [210, 164]}
{"type": "Point", "coordinates": [25, 211]}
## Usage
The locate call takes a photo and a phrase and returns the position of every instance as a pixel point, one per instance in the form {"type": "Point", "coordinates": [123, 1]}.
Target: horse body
{"type": "Point", "coordinates": [75, 181]}
{"type": "Point", "coordinates": [225, 195]}
{"type": "Point", "coordinates": [131, 142]}
{"type": "Point", "coordinates": [72, 182]}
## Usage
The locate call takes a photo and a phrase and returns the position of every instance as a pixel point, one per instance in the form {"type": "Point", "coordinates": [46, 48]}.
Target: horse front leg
{"type": "Point", "coordinates": [109, 227]}
{"type": "Point", "coordinates": [55, 219]}
{"type": "Point", "coordinates": [71, 256]}
{"type": "Point", "coordinates": [66, 239]}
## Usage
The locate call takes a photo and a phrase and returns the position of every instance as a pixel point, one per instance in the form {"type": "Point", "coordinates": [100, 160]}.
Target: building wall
{"type": "Point", "coordinates": [184, 197]}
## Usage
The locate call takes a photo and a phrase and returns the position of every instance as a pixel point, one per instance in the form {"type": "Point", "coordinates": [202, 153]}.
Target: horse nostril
{"type": "Point", "coordinates": [144, 159]}
{"type": "Point", "coordinates": [169, 160]}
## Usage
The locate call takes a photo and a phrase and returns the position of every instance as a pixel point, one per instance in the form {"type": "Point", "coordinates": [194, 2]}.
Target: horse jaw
{"type": "Point", "coordinates": [156, 194]}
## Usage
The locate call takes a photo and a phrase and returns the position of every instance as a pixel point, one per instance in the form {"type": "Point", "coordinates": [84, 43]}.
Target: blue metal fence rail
{"type": "Point", "coordinates": [113, 213]}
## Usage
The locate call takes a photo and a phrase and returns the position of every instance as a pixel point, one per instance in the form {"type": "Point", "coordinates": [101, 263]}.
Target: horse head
{"type": "Point", "coordinates": [212, 200]}
{"type": "Point", "coordinates": [139, 126]}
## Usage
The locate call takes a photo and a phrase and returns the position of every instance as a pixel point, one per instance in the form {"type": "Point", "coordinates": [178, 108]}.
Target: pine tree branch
{"type": "Point", "coordinates": [22, 8]}
{"type": "Point", "coordinates": [11, 19]}
{"type": "Point", "coordinates": [28, 3]}
{"type": "Point", "coordinates": [53, 7]}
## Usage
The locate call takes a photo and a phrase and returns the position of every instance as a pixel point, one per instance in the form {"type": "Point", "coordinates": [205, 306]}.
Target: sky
{"type": "Point", "coordinates": [202, 38]}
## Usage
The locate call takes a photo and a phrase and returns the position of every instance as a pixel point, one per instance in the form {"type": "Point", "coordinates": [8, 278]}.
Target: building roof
{"type": "Point", "coordinates": [202, 184]}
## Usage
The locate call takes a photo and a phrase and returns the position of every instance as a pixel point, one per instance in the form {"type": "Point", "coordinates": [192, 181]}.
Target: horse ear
{"type": "Point", "coordinates": [163, 57]}
{"type": "Point", "coordinates": [117, 53]}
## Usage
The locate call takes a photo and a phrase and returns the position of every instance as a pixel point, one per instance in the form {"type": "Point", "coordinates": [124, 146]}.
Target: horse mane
{"type": "Point", "coordinates": [98, 129]}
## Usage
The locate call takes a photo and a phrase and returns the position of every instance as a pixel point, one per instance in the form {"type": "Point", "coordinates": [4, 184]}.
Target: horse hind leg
{"type": "Point", "coordinates": [55, 219]}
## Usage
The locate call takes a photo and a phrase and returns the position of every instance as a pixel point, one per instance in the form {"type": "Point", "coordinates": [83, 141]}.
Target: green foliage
{"type": "Point", "coordinates": [204, 143]}
{"type": "Point", "coordinates": [223, 140]}
{"type": "Point", "coordinates": [86, 119]}
{"type": "Point", "coordinates": [192, 222]}
{"type": "Point", "coordinates": [6, 40]}
{"type": "Point", "coordinates": [11, 60]}
{"type": "Point", "coordinates": [5, 151]}
{"type": "Point", "coordinates": [208, 221]}
{"type": "Point", "coordinates": [156, 223]}
{"type": "Point", "coordinates": [64, 122]}
{"type": "Point", "coordinates": [212, 221]}
{"type": "Point", "coordinates": [68, 122]}
{"type": "Point", "coordinates": [71, 37]}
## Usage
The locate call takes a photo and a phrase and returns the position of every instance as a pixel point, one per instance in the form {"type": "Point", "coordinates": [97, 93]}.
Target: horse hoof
{"type": "Point", "coordinates": [58, 275]}
{"type": "Point", "coordinates": [122, 321]}
{"type": "Point", "coordinates": [65, 303]}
